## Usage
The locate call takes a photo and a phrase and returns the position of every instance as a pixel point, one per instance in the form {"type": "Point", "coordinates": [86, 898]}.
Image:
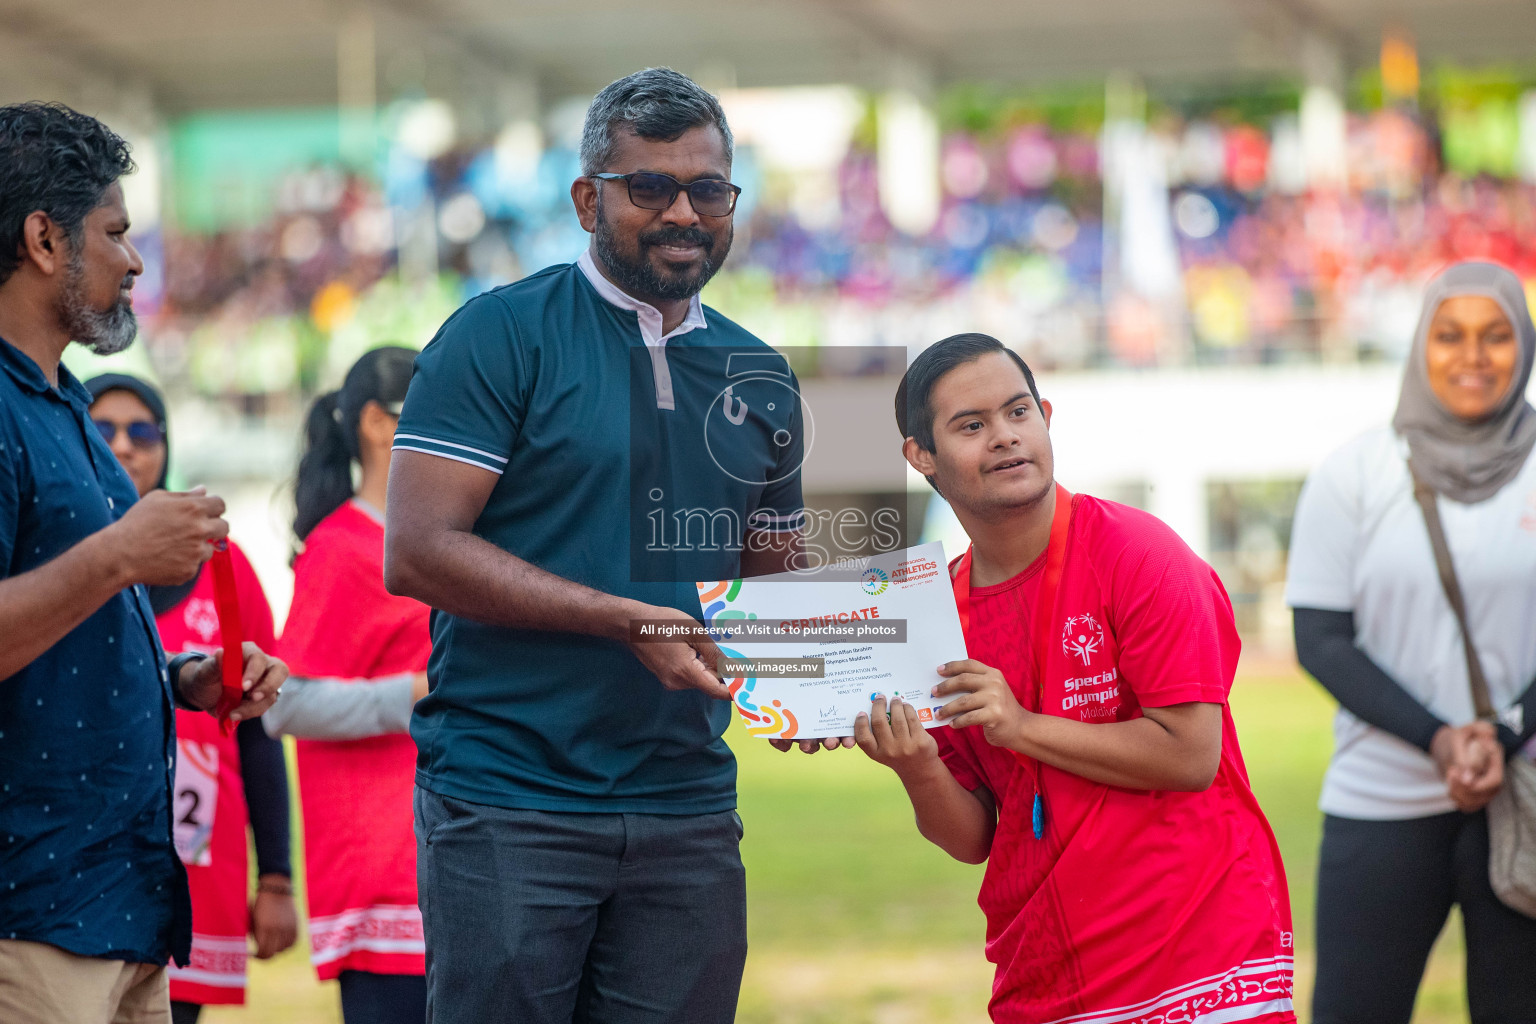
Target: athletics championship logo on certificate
{"type": "Point", "coordinates": [807, 652]}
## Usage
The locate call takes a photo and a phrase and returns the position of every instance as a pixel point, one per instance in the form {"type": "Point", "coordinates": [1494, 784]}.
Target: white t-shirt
{"type": "Point", "coordinates": [1359, 544]}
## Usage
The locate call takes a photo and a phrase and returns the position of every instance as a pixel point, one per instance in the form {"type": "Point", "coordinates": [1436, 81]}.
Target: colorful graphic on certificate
{"type": "Point", "coordinates": [807, 651]}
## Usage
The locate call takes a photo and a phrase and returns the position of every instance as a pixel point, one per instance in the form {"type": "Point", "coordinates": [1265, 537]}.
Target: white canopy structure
{"type": "Point", "coordinates": [180, 56]}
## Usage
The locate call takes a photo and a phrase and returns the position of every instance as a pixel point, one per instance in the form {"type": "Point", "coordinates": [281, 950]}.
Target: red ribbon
{"type": "Point", "coordinates": [1045, 606]}
{"type": "Point", "coordinates": [226, 600]}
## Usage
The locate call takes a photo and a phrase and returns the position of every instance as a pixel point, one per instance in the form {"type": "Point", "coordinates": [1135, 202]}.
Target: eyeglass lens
{"type": "Point", "coordinates": [140, 433]}
{"type": "Point", "coordinates": [709, 197]}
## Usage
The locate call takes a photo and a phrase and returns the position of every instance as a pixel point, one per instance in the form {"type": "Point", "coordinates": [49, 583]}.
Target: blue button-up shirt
{"type": "Point", "coordinates": [87, 734]}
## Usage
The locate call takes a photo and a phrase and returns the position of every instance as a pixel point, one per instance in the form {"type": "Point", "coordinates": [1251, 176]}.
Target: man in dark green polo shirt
{"type": "Point", "coordinates": [575, 451]}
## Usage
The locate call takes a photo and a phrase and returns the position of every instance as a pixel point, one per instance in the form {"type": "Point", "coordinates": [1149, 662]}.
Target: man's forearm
{"type": "Point", "coordinates": [39, 608]}
{"type": "Point", "coordinates": [468, 576]}
{"type": "Point", "coordinates": [1138, 754]}
{"type": "Point", "coordinates": [764, 553]}
{"type": "Point", "coordinates": [949, 816]}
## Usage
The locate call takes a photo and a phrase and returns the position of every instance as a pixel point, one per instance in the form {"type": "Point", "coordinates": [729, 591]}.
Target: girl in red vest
{"type": "Point", "coordinates": [358, 656]}
{"type": "Point", "coordinates": [223, 781]}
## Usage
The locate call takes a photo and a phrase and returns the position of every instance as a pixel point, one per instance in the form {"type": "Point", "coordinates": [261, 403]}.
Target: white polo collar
{"type": "Point", "coordinates": [650, 316]}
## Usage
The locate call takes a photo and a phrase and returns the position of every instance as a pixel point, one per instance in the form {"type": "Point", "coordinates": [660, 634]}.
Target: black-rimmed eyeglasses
{"type": "Point", "coordinates": [652, 190]}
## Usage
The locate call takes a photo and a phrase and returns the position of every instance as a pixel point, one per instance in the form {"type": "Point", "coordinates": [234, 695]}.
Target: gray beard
{"type": "Point", "coordinates": [104, 332]}
{"type": "Point", "coordinates": [640, 279]}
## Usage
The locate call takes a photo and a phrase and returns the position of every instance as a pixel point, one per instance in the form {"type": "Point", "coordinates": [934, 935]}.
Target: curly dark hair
{"type": "Point", "coordinates": [56, 160]}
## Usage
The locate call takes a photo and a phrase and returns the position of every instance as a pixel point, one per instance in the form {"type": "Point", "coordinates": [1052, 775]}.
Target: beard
{"type": "Point", "coordinates": [634, 272]}
{"type": "Point", "coordinates": [104, 332]}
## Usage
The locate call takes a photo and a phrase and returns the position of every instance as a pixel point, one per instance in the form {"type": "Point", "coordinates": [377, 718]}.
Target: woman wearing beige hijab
{"type": "Point", "coordinates": [1405, 836]}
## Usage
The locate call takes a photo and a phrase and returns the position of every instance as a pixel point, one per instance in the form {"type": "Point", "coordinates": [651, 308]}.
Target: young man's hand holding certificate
{"type": "Point", "coordinates": [807, 652]}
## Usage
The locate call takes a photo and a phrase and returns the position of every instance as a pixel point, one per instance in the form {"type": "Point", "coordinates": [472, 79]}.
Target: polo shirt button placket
{"type": "Point", "coordinates": [656, 345]}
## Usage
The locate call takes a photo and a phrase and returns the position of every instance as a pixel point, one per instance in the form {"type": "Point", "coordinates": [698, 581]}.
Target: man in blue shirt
{"type": "Point", "coordinates": [93, 899]}
{"type": "Point", "coordinates": [576, 450]}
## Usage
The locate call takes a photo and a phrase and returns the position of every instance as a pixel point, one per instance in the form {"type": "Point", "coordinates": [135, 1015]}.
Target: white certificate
{"type": "Point", "coordinates": [840, 637]}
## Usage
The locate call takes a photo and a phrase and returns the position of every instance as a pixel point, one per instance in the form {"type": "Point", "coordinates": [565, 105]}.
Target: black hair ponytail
{"type": "Point", "coordinates": [324, 481]}
{"type": "Point", "coordinates": [325, 472]}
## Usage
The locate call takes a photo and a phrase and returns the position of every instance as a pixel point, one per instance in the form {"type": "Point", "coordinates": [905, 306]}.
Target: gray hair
{"type": "Point", "coordinates": [657, 103]}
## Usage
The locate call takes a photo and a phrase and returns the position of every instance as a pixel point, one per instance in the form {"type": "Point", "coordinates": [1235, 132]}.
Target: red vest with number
{"type": "Point", "coordinates": [209, 809]}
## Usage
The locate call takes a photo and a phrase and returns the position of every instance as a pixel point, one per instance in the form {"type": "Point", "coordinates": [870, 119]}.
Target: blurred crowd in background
{"type": "Point", "coordinates": [264, 284]}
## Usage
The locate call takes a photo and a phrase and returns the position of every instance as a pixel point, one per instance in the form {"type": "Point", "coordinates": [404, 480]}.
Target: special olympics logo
{"type": "Point", "coordinates": [1083, 636]}
{"type": "Point", "coordinates": [202, 618]}
{"type": "Point", "coordinates": [875, 581]}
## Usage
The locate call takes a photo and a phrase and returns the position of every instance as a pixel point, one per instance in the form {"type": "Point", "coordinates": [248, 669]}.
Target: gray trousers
{"type": "Point", "coordinates": [535, 917]}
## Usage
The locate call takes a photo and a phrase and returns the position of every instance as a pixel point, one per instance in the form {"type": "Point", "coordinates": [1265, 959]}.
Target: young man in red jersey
{"type": "Point", "coordinates": [1091, 759]}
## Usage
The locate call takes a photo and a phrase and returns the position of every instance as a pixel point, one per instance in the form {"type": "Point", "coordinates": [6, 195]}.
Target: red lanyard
{"type": "Point", "coordinates": [1045, 608]}
{"type": "Point", "coordinates": [226, 600]}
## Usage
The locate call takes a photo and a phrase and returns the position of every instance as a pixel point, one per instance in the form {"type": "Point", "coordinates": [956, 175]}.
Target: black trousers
{"type": "Point", "coordinates": [365, 999]}
{"type": "Point", "coordinates": [1384, 889]}
{"type": "Point", "coordinates": [368, 998]}
{"type": "Point", "coordinates": [542, 917]}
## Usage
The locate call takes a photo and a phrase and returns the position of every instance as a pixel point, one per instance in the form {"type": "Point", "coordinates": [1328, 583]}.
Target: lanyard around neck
{"type": "Point", "coordinates": [1045, 607]}
{"type": "Point", "coordinates": [1055, 559]}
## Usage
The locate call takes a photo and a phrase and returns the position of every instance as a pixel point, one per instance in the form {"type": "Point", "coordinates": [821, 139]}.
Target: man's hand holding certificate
{"type": "Point", "coordinates": [806, 652]}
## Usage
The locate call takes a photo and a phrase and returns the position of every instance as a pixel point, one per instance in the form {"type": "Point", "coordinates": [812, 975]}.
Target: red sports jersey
{"type": "Point", "coordinates": [359, 843]}
{"type": "Point", "coordinates": [210, 813]}
{"type": "Point", "coordinates": [1137, 906]}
